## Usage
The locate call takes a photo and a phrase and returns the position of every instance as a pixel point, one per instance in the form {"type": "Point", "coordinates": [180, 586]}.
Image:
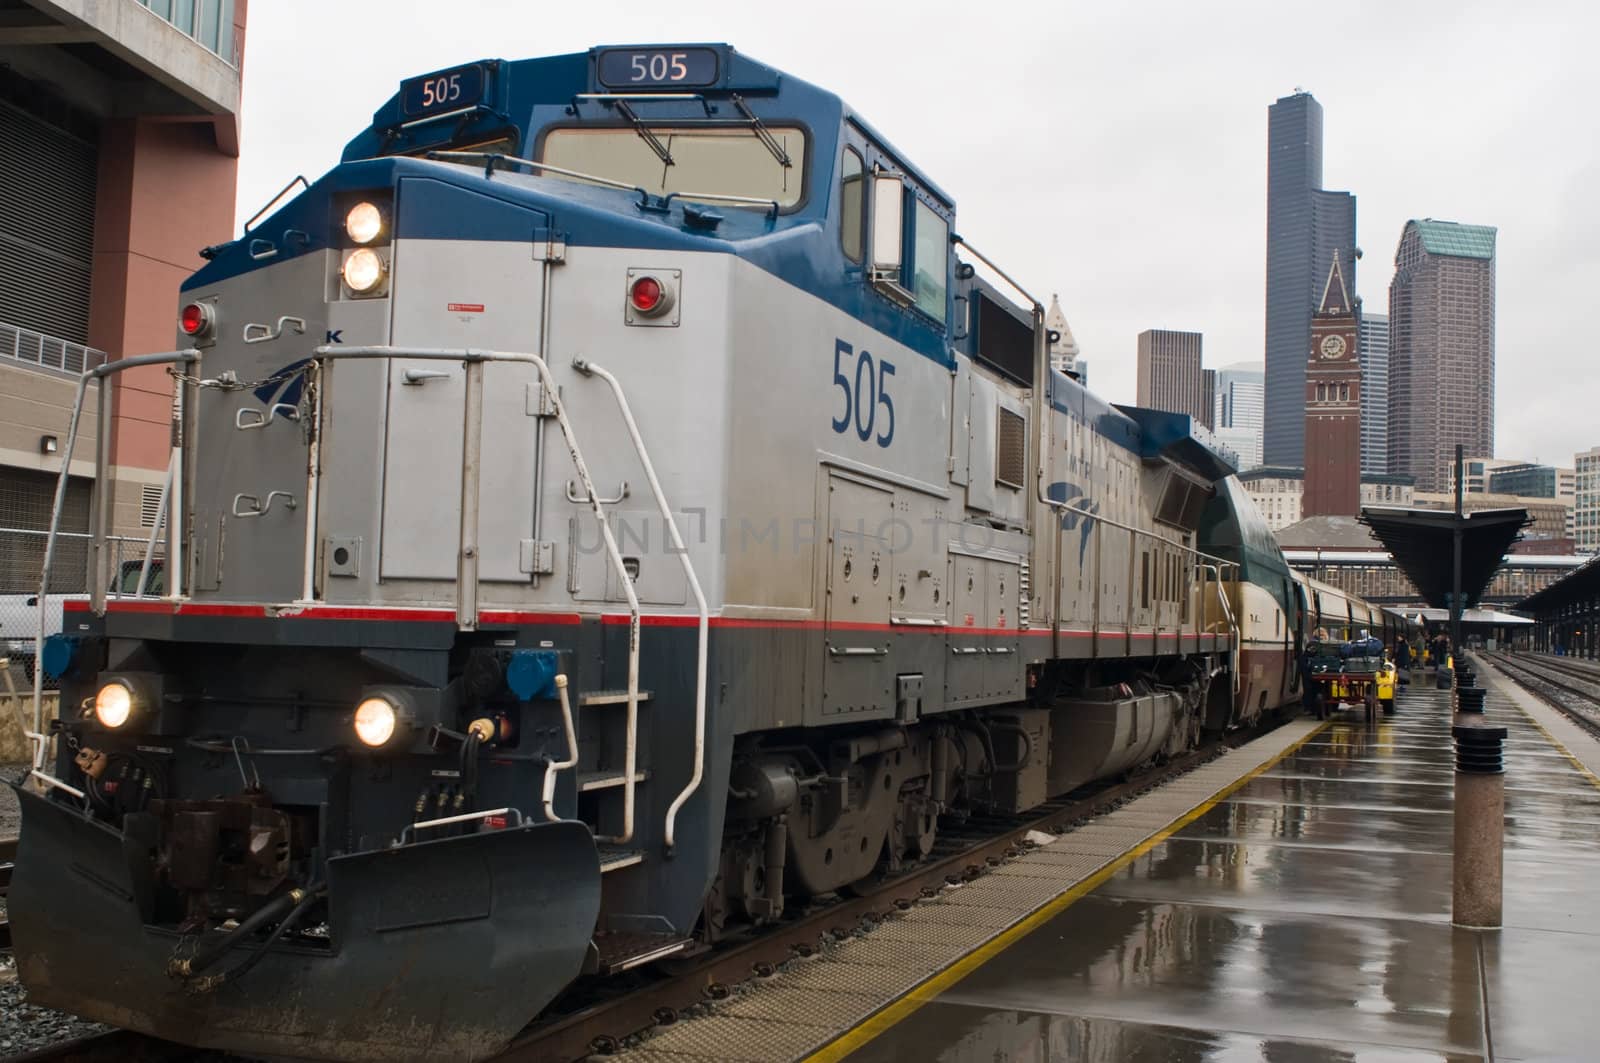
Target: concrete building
{"type": "Point", "coordinates": [1477, 472]}
{"type": "Point", "coordinates": [1549, 514]}
{"type": "Point", "coordinates": [1305, 225]}
{"type": "Point", "coordinates": [1441, 349]}
{"type": "Point", "coordinates": [1586, 500]}
{"type": "Point", "coordinates": [119, 139]}
{"type": "Point", "coordinates": [1374, 393]}
{"type": "Point", "coordinates": [1208, 397]}
{"type": "Point", "coordinates": [1279, 493]}
{"type": "Point", "coordinates": [1169, 371]}
{"type": "Point", "coordinates": [1333, 405]}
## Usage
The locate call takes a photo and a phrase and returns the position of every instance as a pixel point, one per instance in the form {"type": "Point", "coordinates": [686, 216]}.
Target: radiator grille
{"type": "Point", "coordinates": [1011, 450]}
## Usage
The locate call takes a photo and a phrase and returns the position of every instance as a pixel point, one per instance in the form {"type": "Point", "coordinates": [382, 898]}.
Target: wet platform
{"type": "Point", "coordinates": [1299, 911]}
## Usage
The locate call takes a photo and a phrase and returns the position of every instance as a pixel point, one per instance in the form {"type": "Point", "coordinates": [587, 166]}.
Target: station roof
{"type": "Point", "coordinates": [1581, 584]}
{"type": "Point", "coordinates": [1471, 616]}
{"type": "Point", "coordinates": [1421, 542]}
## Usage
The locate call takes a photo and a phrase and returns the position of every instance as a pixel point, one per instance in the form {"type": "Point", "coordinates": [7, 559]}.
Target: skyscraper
{"type": "Point", "coordinates": [1063, 348]}
{"type": "Point", "coordinates": [1208, 397]}
{"type": "Point", "coordinates": [1238, 411]}
{"type": "Point", "coordinates": [1441, 349]}
{"type": "Point", "coordinates": [1169, 373]}
{"type": "Point", "coordinates": [1305, 226]}
{"type": "Point", "coordinates": [1374, 394]}
{"type": "Point", "coordinates": [1333, 405]}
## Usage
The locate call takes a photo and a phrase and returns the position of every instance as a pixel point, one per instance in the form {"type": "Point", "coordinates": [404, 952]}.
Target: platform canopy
{"type": "Point", "coordinates": [1422, 543]}
{"type": "Point", "coordinates": [1581, 585]}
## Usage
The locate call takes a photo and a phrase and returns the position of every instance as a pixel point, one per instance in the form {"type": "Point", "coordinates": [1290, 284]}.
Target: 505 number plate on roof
{"type": "Point", "coordinates": [443, 91]}
{"type": "Point", "coordinates": [658, 68]}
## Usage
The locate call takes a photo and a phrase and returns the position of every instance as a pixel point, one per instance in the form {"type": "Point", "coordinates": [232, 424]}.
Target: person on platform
{"type": "Point", "coordinates": [1402, 659]}
{"type": "Point", "coordinates": [1310, 693]}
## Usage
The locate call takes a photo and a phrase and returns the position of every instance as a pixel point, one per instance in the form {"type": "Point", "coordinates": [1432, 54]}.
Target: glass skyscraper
{"type": "Point", "coordinates": [1374, 394]}
{"type": "Point", "coordinates": [1305, 225]}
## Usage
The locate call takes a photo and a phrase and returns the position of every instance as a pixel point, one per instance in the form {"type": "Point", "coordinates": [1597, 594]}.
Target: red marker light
{"type": "Point", "coordinates": [195, 319]}
{"type": "Point", "coordinates": [645, 294]}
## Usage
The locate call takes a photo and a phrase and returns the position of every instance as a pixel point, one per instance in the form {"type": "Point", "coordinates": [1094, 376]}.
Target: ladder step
{"type": "Point", "coordinates": [613, 858]}
{"type": "Point", "coordinates": [606, 780]}
{"type": "Point", "coordinates": [619, 952]}
{"type": "Point", "coordinates": [609, 697]}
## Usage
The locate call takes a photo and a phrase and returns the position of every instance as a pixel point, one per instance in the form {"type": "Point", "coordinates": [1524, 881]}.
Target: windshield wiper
{"type": "Point", "coordinates": [762, 133]}
{"type": "Point", "coordinates": [644, 131]}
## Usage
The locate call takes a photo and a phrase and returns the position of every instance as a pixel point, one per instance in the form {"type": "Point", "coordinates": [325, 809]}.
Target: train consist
{"type": "Point", "coordinates": [612, 509]}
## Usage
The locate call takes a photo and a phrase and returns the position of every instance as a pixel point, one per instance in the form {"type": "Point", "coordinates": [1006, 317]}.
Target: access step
{"type": "Point", "coordinates": [606, 780]}
{"type": "Point", "coordinates": [615, 858]}
{"type": "Point", "coordinates": [621, 951]}
{"type": "Point", "coordinates": [610, 697]}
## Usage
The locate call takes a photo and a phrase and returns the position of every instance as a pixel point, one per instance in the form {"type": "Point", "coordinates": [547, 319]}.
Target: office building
{"type": "Point", "coordinates": [1306, 224]}
{"type": "Point", "coordinates": [1169, 374]}
{"type": "Point", "coordinates": [1239, 396]}
{"type": "Point", "coordinates": [1063, 346]}
{"type": "Point", "coordinates": [1208, 397]}
{"type": "Point", "coordinates": [1441, 349]}
{"type": "Point", "coordinates": [119, 142]}
{"type": "Point", "coordinates": [1524, 478]}
{"type": "Point", "coordinates": [1586, 500]}
{"type": "Point", "coordinates": [1374, 393]}
{"type": "Point", "coordinates": [1279, 493]}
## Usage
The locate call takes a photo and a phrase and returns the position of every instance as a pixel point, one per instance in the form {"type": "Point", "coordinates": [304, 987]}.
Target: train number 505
{"type": "Point", "coordinates": [870, 391]}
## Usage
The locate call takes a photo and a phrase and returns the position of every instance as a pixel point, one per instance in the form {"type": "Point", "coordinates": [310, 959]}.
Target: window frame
{"type": "Point", "coordinates": [860, 257]}
{"type": "Point", "coordinates": [536, 153]}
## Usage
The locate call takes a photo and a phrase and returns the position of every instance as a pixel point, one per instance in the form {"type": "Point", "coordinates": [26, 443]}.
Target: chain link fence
{"type": "Point", "coordinates": [26, 499]}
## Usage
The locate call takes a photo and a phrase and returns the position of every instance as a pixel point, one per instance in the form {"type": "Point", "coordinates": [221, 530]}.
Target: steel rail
{"type": "Point", "coordinates": [1549, 680]}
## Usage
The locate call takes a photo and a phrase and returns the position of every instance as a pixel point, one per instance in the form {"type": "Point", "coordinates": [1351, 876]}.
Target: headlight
{"type": "Point", "coordinates": [113, 705]}
{"type": "Point", "coordinates": [375, 721]}
{"type": "Point", "coordinates": [364, 223]}
{"type": "Point", "coordinates": [363, 270]}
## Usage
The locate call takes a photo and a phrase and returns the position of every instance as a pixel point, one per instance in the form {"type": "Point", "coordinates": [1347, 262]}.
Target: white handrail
{"type": "Point", "coordinates": [548, 798]}
{"type": "Point", "coordinates": [96, 593]}
{"type": "Point", "coordinates": [472, 354]}
{"type": "Point", "coordinates": [694, 586]}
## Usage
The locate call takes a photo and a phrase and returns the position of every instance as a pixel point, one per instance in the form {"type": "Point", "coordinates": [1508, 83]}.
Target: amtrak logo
{"type": "Point", "coordinates": [284, 386]}
{"type": "Point", "coordinates": [1073, 495]}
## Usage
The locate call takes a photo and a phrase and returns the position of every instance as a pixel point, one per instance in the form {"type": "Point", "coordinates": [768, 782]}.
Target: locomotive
{"type": "Point", "coordinates": [610, 508]}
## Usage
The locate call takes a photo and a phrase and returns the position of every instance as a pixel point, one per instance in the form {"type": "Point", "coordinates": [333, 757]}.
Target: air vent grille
{"type": "Point", "coordinates": [1011, 450]}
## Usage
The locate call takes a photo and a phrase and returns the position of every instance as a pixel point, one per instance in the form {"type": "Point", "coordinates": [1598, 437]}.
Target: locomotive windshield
{"type": "Point", "coordinates": [710, 160]}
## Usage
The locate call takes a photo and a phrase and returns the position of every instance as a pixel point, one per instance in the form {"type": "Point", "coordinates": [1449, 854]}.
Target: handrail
{"type": "Point", "coordinates": [466, 594]}
{"type": "Point", "coordinates": [548, 797]}
{"type": "Point", "coordinates": [1233, 624]}
{"type": "Point", "coordinates": [97, 590]}
{"type": "Point", "coordinates": [589, 368]}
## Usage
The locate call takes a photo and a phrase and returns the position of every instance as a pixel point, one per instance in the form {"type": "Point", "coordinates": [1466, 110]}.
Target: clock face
{"type": "Point", "coordinates": [1332, 346]}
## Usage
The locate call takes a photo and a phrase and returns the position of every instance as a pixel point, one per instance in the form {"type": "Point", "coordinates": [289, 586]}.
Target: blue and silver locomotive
{"type": "Point", "coordinates": [609, 506]}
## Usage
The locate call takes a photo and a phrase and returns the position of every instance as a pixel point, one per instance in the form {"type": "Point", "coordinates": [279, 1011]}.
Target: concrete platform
{"type": "Point", "coordinates": [1305, 917]}
{"type": "Point", "coordinates": [1288, 902]}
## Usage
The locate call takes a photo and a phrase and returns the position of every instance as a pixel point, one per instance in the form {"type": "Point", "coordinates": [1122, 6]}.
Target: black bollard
{"type": "Point", "coordinates": [1470, 699]}
{"type": "Point", "coordinates": [1480, 809]}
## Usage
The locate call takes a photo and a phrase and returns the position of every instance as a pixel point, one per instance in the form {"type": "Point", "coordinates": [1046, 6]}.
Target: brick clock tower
{"type": "Point", "coordinates": [1333, 405]}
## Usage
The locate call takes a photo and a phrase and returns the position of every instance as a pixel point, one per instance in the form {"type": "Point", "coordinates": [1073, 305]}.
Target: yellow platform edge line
{"type": "Point", "coordinates": [904, 1007]}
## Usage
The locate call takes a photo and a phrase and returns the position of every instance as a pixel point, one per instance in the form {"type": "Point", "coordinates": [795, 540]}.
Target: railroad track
{"type": "Point", "coordinates": [8, 854]}
{"type": "Point", "coordinates": [1571, 687]}
{"type": "Point", "coordinates": [597, 1018]}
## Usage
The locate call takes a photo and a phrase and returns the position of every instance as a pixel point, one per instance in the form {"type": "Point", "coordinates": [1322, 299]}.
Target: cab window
{"type": "Point", "coordinates": [930, 261]}
{"type": "Point", "coordinates": [852, 206]}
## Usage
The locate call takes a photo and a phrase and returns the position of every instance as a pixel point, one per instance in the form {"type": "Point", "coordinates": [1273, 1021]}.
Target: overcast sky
{"type": "Point", "coordinates": [1114, 153]}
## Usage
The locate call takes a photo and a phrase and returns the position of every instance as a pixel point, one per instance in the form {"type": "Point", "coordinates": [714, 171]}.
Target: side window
{"type": "Point", "coordinates": [852, 205]}
{"type": "Point", "coordinates": [930, 262]}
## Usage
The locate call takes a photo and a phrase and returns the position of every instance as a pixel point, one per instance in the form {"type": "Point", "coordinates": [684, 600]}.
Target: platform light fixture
{"type": "Point", "coordinates": [48, 445]}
